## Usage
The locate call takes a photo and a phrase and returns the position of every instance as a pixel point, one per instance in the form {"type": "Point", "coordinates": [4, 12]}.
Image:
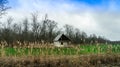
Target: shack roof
{"type": "Point", "coordinates": [62, 37]}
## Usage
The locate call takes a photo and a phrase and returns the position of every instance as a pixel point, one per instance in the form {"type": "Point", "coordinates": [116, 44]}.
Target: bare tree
{"type": "Point", "coordinates": [7, 31]}
{"type": "Point", "coordinates": [3, 6]}
{"type": "Point", "coordinates": [69, 30]}
{"type": "Point", "coordinates": [35, 26]}
{"type": "Point", "coordinates": [25, 29]}
{"type": "Point", "coordinates": [77, 36]}
{"type": "Point", "coordinates": [9, 21]}
{"type": "Point", "coordinates": [52, 25]}
{"type": "Point", "coordinates": [44, 28]}
{"type": "Point", "coordinates": [17, 31]}
{"type": "Point", "coordinates": [93, 38]}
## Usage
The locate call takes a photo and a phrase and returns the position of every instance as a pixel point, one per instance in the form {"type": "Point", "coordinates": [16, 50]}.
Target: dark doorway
{"type": "Point", "coordinates": [61, 43]}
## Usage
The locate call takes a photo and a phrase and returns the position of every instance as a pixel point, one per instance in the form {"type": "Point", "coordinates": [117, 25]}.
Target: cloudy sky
{"type": "Point", "coordinates": [101, 17]}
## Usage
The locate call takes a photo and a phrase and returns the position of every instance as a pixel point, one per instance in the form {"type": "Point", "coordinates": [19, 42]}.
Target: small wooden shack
{"type": "Point", "coordinates": [62, 40]}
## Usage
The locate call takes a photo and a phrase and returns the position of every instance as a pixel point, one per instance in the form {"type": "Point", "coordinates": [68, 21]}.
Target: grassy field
{"type": "Point", "coordinates": [49, 56]}
{"type": "Point", "coordinates": [76, 50]}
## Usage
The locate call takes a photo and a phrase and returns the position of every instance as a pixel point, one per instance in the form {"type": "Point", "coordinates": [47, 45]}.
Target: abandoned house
{"type": "Point", "coordinates": [61, 40]}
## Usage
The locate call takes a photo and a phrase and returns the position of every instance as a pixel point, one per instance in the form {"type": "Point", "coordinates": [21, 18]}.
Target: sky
{"type": "Point", "coordinates": [100, 17]}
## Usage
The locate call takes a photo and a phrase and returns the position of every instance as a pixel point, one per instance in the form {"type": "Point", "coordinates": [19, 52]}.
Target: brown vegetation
{"type": "Point", "coordinates": [62, 61]}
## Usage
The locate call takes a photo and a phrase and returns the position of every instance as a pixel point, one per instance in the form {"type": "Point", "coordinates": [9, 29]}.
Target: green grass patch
{"type": "Point", "coordinates": [82, 49]}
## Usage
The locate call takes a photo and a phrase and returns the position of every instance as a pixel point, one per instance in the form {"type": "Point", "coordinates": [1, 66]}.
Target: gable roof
{"type": "Point", "coordinates": [62, 37]}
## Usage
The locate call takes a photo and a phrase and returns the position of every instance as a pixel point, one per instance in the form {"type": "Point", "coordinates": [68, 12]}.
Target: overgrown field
{"type": "Point", "coordinates": [75, 50]}
{"type": "Point", "coordinates": [93, 60]}
{"type": "Point", "coordinates": [49, 56]}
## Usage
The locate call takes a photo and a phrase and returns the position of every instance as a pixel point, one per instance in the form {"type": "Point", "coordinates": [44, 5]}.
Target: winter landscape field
{"type": "Point", "coordinates": [59, 33]}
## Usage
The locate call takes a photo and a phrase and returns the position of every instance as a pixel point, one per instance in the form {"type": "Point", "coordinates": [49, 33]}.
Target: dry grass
{"type": "Point", "coordinates": [62, 61]}
{"type": "Point", "coordinates": [84, 56]}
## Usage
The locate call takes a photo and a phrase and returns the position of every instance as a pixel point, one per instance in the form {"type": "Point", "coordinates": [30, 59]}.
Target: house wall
{"type": "Point", "coordinates": [58, 44]}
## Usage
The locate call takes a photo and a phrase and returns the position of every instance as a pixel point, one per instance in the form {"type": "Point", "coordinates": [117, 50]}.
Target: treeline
{"type": "Point", "coordinates": [34, 30]}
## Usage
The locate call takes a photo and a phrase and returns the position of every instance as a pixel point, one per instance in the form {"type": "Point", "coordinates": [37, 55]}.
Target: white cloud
{"type": "Point", "coordinates": [89, 19]}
